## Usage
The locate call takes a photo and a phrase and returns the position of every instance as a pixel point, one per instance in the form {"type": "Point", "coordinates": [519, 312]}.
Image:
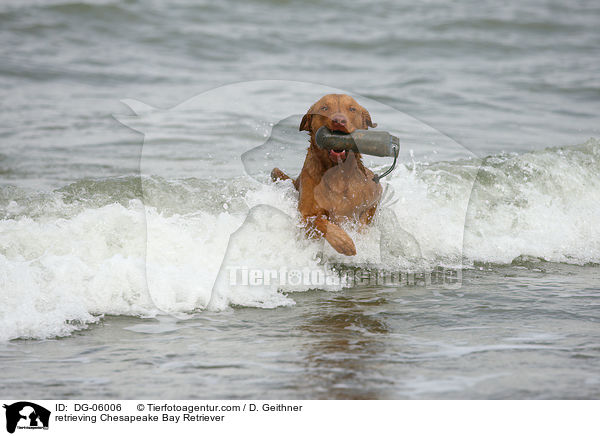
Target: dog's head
{"type": "Point", "coordinates": [339, 113]}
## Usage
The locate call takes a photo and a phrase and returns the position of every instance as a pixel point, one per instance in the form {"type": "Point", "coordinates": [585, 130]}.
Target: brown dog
{"type": "Point", "coordinates": [334, 186]}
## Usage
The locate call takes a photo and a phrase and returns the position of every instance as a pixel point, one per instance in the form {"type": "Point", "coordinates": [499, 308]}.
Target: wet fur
{"type": "Point", "coordinates": [331, 193]}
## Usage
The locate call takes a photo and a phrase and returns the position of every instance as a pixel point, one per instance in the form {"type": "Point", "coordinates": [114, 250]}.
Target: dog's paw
{"type": "Point", "coordinates": [339, 240]}
{"type": "Point", "coordinates": [277, 174]}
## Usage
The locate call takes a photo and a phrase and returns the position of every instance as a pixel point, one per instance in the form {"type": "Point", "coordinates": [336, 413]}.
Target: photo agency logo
{"type": "Point", "coordinates": [334, 275]}
{"type": "Point", "coordinates": [25, 415]}
{"type": "Point", "coordinates": [221, 189]}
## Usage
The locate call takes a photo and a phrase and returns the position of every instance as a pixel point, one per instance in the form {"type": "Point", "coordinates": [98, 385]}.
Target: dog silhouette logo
{"type": "Point", "coordinates": [26, 415]}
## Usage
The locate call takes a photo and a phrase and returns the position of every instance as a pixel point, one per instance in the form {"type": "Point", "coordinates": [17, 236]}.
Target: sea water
{"type": "Point", "coordinates": [136, 145]}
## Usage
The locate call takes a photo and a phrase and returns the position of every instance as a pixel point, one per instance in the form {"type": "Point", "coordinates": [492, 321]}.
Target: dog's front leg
{"type": "Point", "coordinates": [277, 174]}
{"type": "Point", "coordinates": [336, 236]}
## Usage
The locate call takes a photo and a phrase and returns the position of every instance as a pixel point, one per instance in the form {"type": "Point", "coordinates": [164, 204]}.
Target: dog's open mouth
{"type": "Point", "coordinates": [337, 155]}
{"type": "Point", "coordinates": [340, 155]}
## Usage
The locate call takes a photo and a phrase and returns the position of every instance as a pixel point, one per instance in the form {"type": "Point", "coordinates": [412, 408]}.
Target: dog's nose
{"type": "Point", "coordinates": [339, 119]}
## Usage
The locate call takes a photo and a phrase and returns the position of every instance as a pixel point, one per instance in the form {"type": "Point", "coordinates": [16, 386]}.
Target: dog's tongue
{"type": "Point", "coordinates": [337, 155]}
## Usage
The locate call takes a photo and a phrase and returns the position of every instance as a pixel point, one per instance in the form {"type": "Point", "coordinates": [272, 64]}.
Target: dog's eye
{"type": "Point", "coordinates": [324, 108]}
{"type": "Point", "coordinates": [352, 109]}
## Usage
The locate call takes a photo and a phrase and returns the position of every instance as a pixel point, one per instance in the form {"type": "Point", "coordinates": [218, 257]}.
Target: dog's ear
{"type": "Point", "coordinates": [305, 123]}
{"type": "Point", "coordinates": [307, 120]}
{"type": "Point", "coordinates": [367, 119]}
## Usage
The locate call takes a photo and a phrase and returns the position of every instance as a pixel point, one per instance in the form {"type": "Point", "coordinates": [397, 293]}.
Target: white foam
{"type": "Point", "coordinates": [57, 275]}
{"type": "Point", "coordinates": [544, 204]}
{"type": "Point", "coordinates": [62, 265]}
